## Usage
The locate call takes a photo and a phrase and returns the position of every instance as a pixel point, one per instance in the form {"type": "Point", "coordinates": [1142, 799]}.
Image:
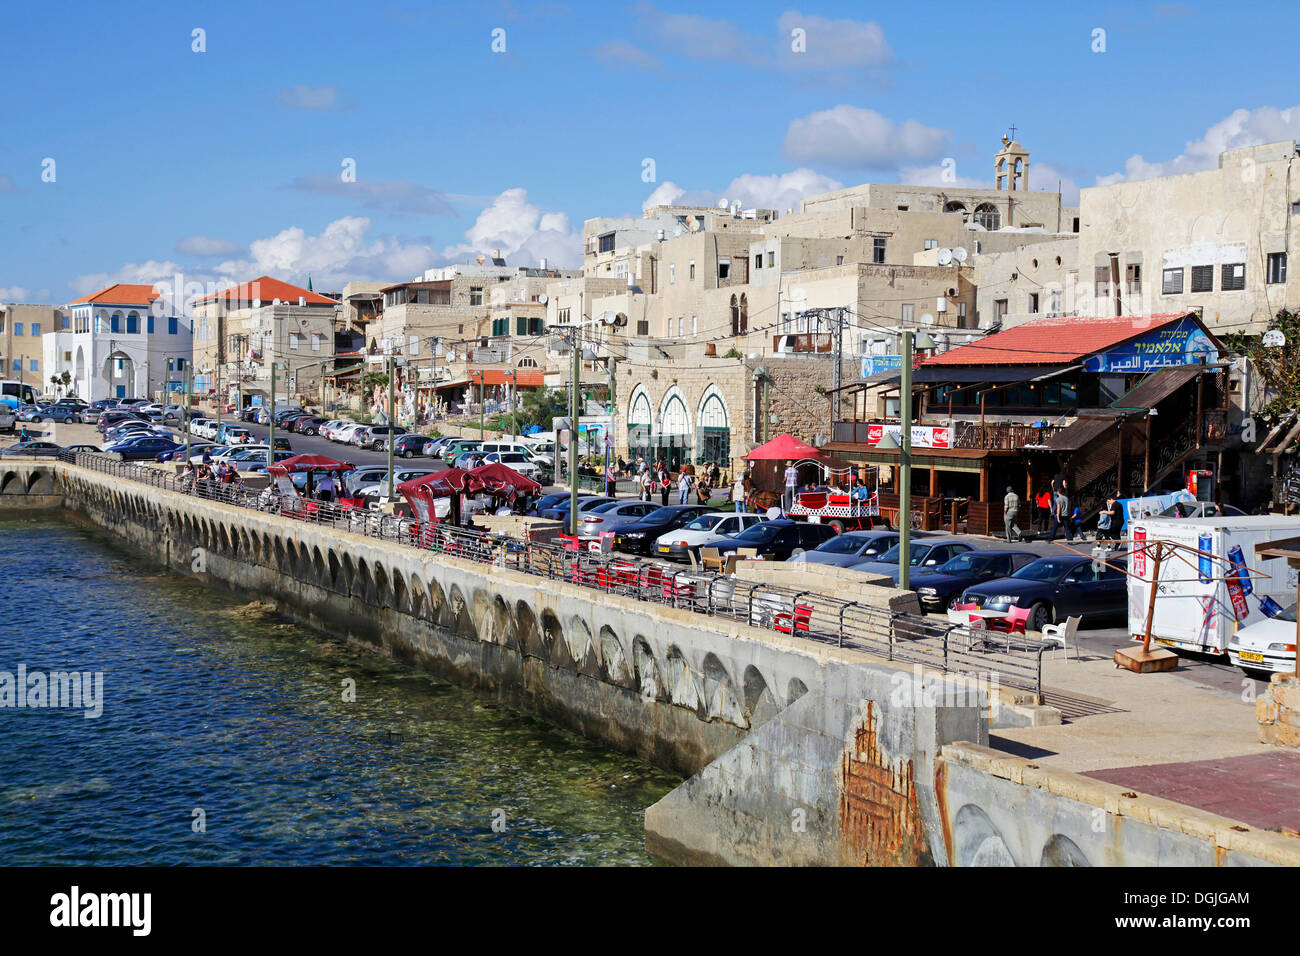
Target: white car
{"type": "Point", "coordinates": [195, 425]}
{"type": "Point", "coordinates": [1267, 646]}
{"type": "Point", "coordinates": [515, 462]}
{"type": "Point", "coordinates": [704, 532]}
{"type": "Point", "coordinates": [399, 476]}
{"type": "Point", "coordinates": [518, 448]}
{"type": "Point", "coordinates": [327, 429]}
{"type": "Point", "coordinates": [344, 433]}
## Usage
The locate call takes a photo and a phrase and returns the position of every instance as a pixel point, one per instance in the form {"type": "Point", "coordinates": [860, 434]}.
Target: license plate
{"type": "Point", "coordinates": [1249, 656]}
{"type": "Point", "coordinates": [664, 550]}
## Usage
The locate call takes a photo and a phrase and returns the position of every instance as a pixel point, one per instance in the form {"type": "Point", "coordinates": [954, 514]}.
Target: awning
{"type": "Point", "coordinates": [458, 383]}
{"type": "Point", "coordinates": [525, 378]}
{"type": "Point", "coordinates": [1084, 430]}
{"type": "Point", "coordinates": [343, 371]}
{"type": "Point", "coordinates": [1157, 386]}
{"type": "Point", "coordinates": [989, 374]}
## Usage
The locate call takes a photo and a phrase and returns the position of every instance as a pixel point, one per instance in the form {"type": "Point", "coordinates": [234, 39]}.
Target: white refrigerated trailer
{"type": "Point", "coordinates": [1198, 607]}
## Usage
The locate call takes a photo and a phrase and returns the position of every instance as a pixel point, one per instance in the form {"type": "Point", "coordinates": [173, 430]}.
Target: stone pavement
{"type": "Point", "coordinates": [1262, 789]}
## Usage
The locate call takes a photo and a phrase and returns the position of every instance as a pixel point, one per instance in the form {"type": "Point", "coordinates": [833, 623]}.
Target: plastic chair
{"type": "Point", "coordinates": [1063, 634]}
{"type": "Point", "coordinates": [791, 623]}
{"type": "Point", "coordinates": [1013, 623]}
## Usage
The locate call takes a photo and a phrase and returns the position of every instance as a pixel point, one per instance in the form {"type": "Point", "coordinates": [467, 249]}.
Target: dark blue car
{"type": "Point", "coordinates": [144, 447]}
{"type": "Point", "coordinates": [942, 587]}
{"type": "Point", "coordinates": [1056, 588]}
{"type": "Point", "coordinates": [560, 510]}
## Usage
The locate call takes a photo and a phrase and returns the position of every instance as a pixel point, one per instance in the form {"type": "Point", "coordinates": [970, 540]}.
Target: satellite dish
{"type": "Point", "coordinates": [542, 298]}
{"type": "Point", "coordinates": [960, 254]}
{"type": "Point", "coordinates": [1274, 338]}
{"type": "Point", "coordinates": [927, 319]}
{"type": "Point", "coordinates": [694, 226]}
{"type": "Point", "coordinates": [451, 355]}
{"type": "Point", "coordinates": [609, 318]}
{"type": "Point", "coordinates": [945, 257]}
{"type": "Point", "coordinates": [722, 203]}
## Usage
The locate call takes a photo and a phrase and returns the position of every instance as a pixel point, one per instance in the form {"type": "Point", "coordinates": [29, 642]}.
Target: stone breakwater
{"type": "Point", "coordinates": [796, 752]}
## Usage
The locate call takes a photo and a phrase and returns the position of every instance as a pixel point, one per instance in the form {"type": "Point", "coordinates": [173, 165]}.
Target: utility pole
{"type": "Point", "coordinates": [270, 442]}
{"type": "Point", "coordinates": [905, 466]}
{"type": "Point", "coordinates": [839, 351]}
{"type": "Point", "coordinates": [480, 406]}
{"type": "Point", "coordinates": [575, 348]}
{"type": "Point", "coordinates": [392, 437]}
{"type": "Point", "coordinates": [514, 394]}
{"type": "Point", "coordinates": [189, 406]}
{"type": "Point", "coordinates": [613, 412]}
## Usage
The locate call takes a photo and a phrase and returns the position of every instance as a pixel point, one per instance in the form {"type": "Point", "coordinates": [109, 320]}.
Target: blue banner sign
{"type": "Point", "coordinates": [1180, 343]}
{"type": "Point", "coordinates": [871, 364]}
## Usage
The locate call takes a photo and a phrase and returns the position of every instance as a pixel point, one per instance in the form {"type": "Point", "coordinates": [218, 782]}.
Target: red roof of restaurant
{"type": "Point", "coordinates": [1065, 339]}
{"type": "Point", "coordinates": [120, 293]}
{"type": "Point", "coordinates": [267, 290]}
{"type": "Point", "coordinates": [525, 378]}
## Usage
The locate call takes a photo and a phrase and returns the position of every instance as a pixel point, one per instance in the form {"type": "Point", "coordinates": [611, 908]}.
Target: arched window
{"type": "Point", "coordinates": [986, 215]}
{"type": "Point", "coordinates": [527, 362]}
{"type": "Point", "coordinates": [735, 316]}
{"type": "Point", "coordinates": [714, 430]}
{"type": "Point", "coordinates": [744, 313]}
{"type": "Point", "coordinates": [674, 438]}
{"type": "Point", "coordinates": [115, 322]}
{"type": "Point", "coordinates": [639, 422]}
{"type": "Point", "coordinates": [954, 206]}
{"type": "Point", "coordinates": [133, 322]}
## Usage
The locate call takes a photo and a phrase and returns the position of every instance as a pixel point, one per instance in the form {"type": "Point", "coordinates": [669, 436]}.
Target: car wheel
{"type": "Point", "coordinates": [1039, 615]}
{"type": "Point", "coordinates": [953, 602]}
{"type": "Point", "coordinates": [309, 431]}
{"type": "Point", "coordinates": [408, 453]}
{"type": "Point", "coordinates": [36, 419]}
{"type": "Point", "coordinates": [796, 551]}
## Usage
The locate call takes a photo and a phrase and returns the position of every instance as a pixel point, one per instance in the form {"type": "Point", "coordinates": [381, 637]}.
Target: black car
{"type": "Point", "coordinates": [639, 536]}
{"type": "Point", "coordinates": [1055, 588]}
{"type": "Point", "coordinates": [42, 449]}
{"type": "Point", "coordinates": [778, 540]}
{"type": "Point", "coordinates": [308, 425]}
{"type": "Point", "coordinates": [408, 446]}
{"type": "Point", "coordinates": [942, 587]}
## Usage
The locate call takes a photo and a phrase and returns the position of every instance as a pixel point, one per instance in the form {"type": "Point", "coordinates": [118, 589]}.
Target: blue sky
{"type": "Point", "coordinates": [225, 164]}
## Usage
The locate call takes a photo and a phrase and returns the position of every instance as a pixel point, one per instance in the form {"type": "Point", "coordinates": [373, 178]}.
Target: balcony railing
{"type": "Point", "coordinates": [804, 342]}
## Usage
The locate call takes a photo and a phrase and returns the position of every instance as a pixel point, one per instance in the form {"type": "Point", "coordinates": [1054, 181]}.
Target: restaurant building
{"type": "Point", "coordinates": [1117, 406]}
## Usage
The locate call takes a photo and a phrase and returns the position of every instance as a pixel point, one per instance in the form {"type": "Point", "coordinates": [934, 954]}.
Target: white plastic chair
{"type": "Point", "coordinates": [1063, 634]}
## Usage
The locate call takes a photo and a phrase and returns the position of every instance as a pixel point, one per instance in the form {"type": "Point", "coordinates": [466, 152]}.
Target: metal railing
{"type": "Point", "coordinates": [1015, 660]}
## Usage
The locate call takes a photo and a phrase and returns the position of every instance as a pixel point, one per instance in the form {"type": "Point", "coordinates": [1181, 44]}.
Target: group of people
{"type": "Point", "coordinates": [656, 478]}
{"type": "Point", "coordinates": [208, 473]}
{"type": "Point", "coordinates": [1053, 512]}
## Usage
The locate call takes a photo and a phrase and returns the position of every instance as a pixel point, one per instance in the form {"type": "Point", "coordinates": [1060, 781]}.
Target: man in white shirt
{"type": "Point", "coordinates": [791, 480]}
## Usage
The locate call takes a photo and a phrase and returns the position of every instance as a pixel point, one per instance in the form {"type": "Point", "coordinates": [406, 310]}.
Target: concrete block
{"type": "Point", "coordinates": [1265, 710]}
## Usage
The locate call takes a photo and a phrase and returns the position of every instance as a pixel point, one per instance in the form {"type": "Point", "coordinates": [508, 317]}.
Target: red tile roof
{"type": "Point", "coordinates": [267, 290]}
{"type": "Point", "coordinates": [1047, 341]}
{"type": "Point", "coordinates": [526, 378]}
{"type": "Point", "coordinates": [120, 294]}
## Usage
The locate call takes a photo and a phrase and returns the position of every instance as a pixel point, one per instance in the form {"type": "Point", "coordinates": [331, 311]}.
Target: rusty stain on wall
{"type": "Point", "coordinates": [880, 821]}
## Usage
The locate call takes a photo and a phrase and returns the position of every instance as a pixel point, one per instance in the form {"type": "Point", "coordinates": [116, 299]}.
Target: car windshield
{"type": "Point", "coordinates": [842, 544]}
{"type": "Point", "coordinates": [1046, 569]}
{"type": "Point", "coordinates": [660, 515]}
{"type": "Point", "coordinates": [1287, 614]}
{"type": "Point", "coordinates": [704, 522]}
{"type": "Point", "coordinates": [608, 505]}
{"type": "Point", "coordinates": [760, 533]}
{"type": "Point", "coordinates": [917, 554]}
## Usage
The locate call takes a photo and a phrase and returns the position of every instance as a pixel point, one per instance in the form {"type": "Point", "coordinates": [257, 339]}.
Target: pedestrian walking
{"type": "Point", "coordinates": [1060, 516]}
{"type": "Point", "coordinates": [791, 480]}
{"type": "Point", "coordinates": [738, 493]}
{"type": "Point", "coordinates": [664, 480]}
{"type": "Point", "coordinates": [684, 483]}
{"type": "Point", "coordinates": [1107, 523]}
{"type": "Point", "coordinates": [1010, 509]}
{"type": "Point", "coordinates": [645, 483]}
{"type": "Point", "coordinates": [611, 481]}
{"type": "Point", "coordinates": [1042, 509]}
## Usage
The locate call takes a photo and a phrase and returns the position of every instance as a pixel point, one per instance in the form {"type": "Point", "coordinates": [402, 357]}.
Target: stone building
{"type": "Point", "coordinates": [1214, 241]}
{"type": "Point", "coordinates": [22, 356]}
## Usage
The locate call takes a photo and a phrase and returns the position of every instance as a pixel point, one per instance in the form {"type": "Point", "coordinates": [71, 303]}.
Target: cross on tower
{"type": "Point", "coordinates": [1013, 132]}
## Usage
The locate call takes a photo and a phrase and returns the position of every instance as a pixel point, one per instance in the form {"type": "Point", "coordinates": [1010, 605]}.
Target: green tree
{"type": "Point", "coordinates": [541, 406]}
{"type": "Point", "coordinates": [1278, 366]}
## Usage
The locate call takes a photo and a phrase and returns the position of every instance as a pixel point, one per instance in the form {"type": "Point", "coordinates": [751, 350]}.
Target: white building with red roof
{"type": "Point", "coordinates": [119, 342]}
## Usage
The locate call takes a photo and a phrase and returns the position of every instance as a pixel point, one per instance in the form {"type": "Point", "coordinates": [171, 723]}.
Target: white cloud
{"type": "Point", "coordinates": [700, 38]}
{"type": "Point", "coordinates": [208, 246]}
{"type": "Point", "coordinates": [522, 232]}
{"type": "Point", "coordinates": [148, 272]}
{"type": "Point", "coordinates": [855, 137]}
{"type": "Point", "coordinates": [300, 96]}
{"type": "Point", "coordinates": [13, 293]}
{"type": "Point", "coordinates": [778, 191]}
{"type": "Point", "coordinates": [620, 53]}
{"type": "Point", "coordinates": [1043, 177]}
{"type": "Point", "coordinates": [938, 174]}
{"type": "Point", "coordinates": [1241, 128]}
{"type": "Point", "coordinates": [833, 44]}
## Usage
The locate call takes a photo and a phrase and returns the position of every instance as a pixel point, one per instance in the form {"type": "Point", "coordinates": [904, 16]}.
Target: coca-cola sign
{"type": "Point", "coordinates": [923, 436]}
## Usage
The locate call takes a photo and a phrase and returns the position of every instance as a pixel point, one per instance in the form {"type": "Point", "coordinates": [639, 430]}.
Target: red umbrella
{"type": "Point", "coordinates": [501, 480]}
{"type": "Point", "coordinates": [784, 447]}
{"type": "Point", "coordinates": [312, 463]}
{"type": "Point", "coordinates": [420, 492]}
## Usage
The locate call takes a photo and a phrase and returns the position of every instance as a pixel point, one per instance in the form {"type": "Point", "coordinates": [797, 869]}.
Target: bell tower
{"type": "Point", "coordinates": [1011, 165]}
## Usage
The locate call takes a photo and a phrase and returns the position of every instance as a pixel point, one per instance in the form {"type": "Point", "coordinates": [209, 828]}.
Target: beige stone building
{"type": "Point", "coordinates": [22, 325]}
{"type": "Point", "coordinates": [1215, 241]}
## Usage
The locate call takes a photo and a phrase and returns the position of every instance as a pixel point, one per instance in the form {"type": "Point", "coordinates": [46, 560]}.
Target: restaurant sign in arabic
{"type": "Point", "coordinates": [1181, 343]}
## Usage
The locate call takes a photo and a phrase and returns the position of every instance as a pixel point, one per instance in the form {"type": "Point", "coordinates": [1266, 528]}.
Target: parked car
{"type": "Point", "coordinates": [231, 433]}
{"type": "Point", "coordinates": [1201, 509]}
{"type": "Point", "coordinates": [25, 412]}
{"type": "Point", "coordinates": [924, 554]}
{"type": "Point", "coordinates": [610, 517]}
{"type": "Point", "coordinates": [380, 488]}
{"type": "Point", "coordinates": [308, 425]}
{"type": "Point", "coordinates": [778, 540]}
{"type": "Point", "coordinates": [173, 413]}
{"type": "Point", "coordinates": [519, 448]}
{"type": "Point", "coordinates": [58, 414]}
{"type": "Point", "coordinates": [639, 537]}
{"type": "Point", "coordinates": [560, 510]}
{"type": "Point", "coordinates": [358, 478]}
{"type": "Point", "coordinates": [143, 447]}
{"type": "Point", "coordinates": [517, 462]}
{"type": "Point", "coordinates": [457, 447]}
{"type": "Point", "coordinates": [850, 548]}
{"type": "Point", "coordinates": [471, 459]}
{"type": "Point", "coordinates": [343, 433]}
{"type": "Point", "coordinates": [40, 449]}
{"type": "Point", "coordinates": [257, 462]}
{"type": "Point", "coordinates": [83, 449]}
{"type": "Point", "coordinates": [410, 446]}
{"type": "Point", "coordinates": [1055, 588]}
{"type": "Point", "coordinates": [373, 435]}
{"type": "Point", "coordinates": [706, 531]}
{"type": "Point", "coordinates": [90, 416]}
{"type": "Point", "coordinates": [550, 501]}
{"type": "Point", "coordinates": [1267, 646]}
{"type": "Point", "coordinates": [942, 586]}
{"type": "Point", "coordinates": [197, 448]}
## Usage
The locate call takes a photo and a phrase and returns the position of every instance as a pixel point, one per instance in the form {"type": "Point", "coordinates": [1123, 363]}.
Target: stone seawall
{"type": "Point", "coordinates": [797, 752]}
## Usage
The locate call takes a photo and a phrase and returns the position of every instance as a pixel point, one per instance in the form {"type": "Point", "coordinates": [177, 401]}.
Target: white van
{"type": "Point", "coordinates": [1196, 609]}
{"type": "Point", "coordinates": [518, 448]}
